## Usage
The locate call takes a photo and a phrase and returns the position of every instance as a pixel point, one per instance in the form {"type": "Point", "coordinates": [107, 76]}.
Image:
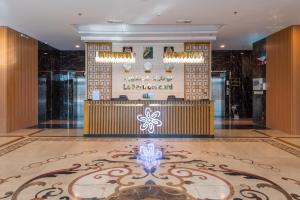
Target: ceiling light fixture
{"type": "Point", "coordinates": [114, 21]}
{"type": "Point", "coordinates": [24, 36]}
{"type": "Point", "coordinates": [77, 46]}
{"type": "Point", "coordinates": [184, 57]}
{"type": "Point", "coordinates": [222, 46]}
{"type": "Point", "coordinates": [115, 57]}
{"type": "Point", "coordinates": [184, 21]}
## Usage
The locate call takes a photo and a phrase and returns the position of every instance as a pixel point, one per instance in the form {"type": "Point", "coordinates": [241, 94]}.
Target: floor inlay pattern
{"type": "Point", "coordinates": [293, 141]}
{"type": "Point", "coordinates": [41, 168]}
{"type": "Point", "coordinates": [238, 133]}
{"type": "Point", "coordinates": [284, 147]}
{"type": "Point", "coordinates": [16, 146]}
{"type": "Point", "coordinates": [4, 141]}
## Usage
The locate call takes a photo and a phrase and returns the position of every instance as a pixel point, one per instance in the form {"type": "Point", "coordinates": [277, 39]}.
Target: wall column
{"type": "Point", "coordinates": [283, 91]}
{"type": "Point", "coordinates": [18, 80]}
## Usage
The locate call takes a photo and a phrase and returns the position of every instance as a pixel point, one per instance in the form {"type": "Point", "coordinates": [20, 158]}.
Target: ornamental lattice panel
{"type": "Point", "coordinates": [99, 76]}
{"type": "Point", "coordinates": [197, 76]}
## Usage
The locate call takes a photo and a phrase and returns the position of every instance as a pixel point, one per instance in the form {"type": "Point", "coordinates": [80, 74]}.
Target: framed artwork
{"type": "Point", "coordinates": [127, 49]}
{"type": "Point", "coordinates": [168, 49]}
{"type": "Point", "coordinates": [148, 53]}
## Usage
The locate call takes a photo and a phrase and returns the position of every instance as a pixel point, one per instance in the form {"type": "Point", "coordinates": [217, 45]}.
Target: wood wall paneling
{"type": "Point", "coordinates": [283, 73]}
{"type": "Point", "coordinates": [296, 79]}
{"type": "Point", "coordinates": [21, 81]}
{"type": "Point", "coordinates": [178, 117]}
{"type": "Point", "coordinates": [279, 81]}
{"type": "Point", "coordinates": [3, 61]}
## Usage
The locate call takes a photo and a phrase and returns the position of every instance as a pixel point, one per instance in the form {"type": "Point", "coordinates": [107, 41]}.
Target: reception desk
{"type": "Point", "coordinates": [119, 118]}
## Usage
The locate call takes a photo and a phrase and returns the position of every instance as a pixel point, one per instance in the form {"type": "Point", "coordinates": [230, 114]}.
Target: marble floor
{"type": "Point", "coordinates": [45, 164]}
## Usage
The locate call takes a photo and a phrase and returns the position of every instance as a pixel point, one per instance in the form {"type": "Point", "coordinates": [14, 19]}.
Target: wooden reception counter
{"type": "Point", "coordinates": [179, 118]}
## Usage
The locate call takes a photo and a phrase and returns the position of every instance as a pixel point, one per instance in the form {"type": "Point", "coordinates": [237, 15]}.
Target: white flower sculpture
{"type": "Point", "coordinates": [149, 121]}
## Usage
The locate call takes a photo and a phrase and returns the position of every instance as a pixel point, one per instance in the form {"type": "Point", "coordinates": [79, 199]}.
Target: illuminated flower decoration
{"type": "Point", "coordinates": [150, 156]}
{"type": "Point", "coordinates": [149, 121]}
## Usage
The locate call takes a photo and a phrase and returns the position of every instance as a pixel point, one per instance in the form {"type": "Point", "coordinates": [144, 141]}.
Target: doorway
{"type": "Point", "coordinates": [61, 99]}
{"type": "Point", "coordinates": [218, 93]}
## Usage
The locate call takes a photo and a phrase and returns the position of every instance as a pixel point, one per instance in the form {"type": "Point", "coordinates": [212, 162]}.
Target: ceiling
{"type": "Point", "coordinates": [162, 33]}
{"type": "Point", "coordinates": [243, 21]}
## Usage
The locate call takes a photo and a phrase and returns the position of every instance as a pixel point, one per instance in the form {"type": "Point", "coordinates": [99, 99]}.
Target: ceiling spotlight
{"type": "Point", "coordinates": [235, 12]}
{"type": "Point", "coordinates": [24, 36]}
{"type": "Point", "coordinates": [184, 21]}
{"type": "Point", "coordinates": [77, 46]}
{"type": "Point", "coordinates": [222, 46]}
{"type": "Point", "coordinates": [79, 14]}
{"type": "Point", "coordinates": [242, 53]}
{"type": "Point", "coordinates": [115, 21]}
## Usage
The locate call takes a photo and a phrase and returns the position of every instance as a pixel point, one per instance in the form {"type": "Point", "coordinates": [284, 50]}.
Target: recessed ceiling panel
{"type": "Point", "coordinates": [147, 32]}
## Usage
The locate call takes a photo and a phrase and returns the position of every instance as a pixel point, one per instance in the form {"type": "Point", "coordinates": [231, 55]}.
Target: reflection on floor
{"type": "Point", "coordinates": [224, 123]}
{"type": "Point", "coordinates": [61, 124]}
{"type": "Point", "coordinates": [243, 164]}
{"type": "Point", "coordinates": [220, 123]}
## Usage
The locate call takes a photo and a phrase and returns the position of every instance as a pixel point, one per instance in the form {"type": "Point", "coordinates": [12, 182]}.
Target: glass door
{"type": "Point", "coordinates": [44, 96]}
{"type": "Point", "coordinates": [61, 99]}
{"type": "Point", "coordinates": [78, 83]}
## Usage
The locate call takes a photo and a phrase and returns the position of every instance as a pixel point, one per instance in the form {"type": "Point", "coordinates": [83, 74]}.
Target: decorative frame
{"type": "Point", "coordinates": [98, 76]}
{"type": "Point", "coordinates": [197, 77]}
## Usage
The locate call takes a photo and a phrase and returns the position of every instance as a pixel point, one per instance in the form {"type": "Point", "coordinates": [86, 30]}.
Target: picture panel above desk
{"type": "Point", "coordinates": [189, 81]}
{"type": "Point", "coordinates": [156, 83]}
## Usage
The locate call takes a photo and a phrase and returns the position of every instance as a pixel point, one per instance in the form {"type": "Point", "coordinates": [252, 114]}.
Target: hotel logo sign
{"type": "Point", "coordinates": [150, 120]}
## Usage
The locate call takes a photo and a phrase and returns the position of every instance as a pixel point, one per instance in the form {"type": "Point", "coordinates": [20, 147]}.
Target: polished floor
{"type": "Point", "coordinates": [38, 164]}
{"type": "Point", "coordinates": [220, 123]}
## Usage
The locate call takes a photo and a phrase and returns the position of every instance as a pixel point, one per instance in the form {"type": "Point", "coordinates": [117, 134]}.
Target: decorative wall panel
{"type": "Point", "coordinates": [99, 76]}
{"type": "Point", "coordinates": [197, 76]}
{"type": "Point", "coordinates": [52, 59]}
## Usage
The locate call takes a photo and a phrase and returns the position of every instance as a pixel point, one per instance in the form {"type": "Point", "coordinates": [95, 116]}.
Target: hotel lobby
{"type": "Point", "coordinates": [149, 100]}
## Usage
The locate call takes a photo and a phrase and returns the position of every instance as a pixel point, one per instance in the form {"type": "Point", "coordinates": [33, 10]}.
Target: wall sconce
{"type": "Point", "coordinates": [184, 57]}
{"type": "Point", "coordinates": [115, 57]}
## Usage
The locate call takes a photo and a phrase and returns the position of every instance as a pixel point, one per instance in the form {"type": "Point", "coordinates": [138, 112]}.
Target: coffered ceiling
{"type": "Point", "coordinates": [61, 23]}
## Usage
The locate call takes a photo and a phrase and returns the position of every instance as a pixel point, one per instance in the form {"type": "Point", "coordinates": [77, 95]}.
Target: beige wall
{"type": "Point", "coordinates": [118, 73]}
{"type": "Point", "coordinates": [19, 81]}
